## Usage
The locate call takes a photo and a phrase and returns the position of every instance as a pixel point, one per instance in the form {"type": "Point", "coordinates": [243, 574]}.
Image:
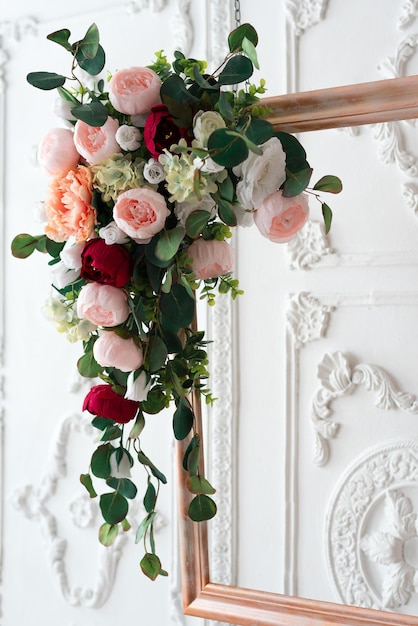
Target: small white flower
{"type": "Point", "coordinates": [137, 388]}
{"type": "Point", "coordinates": [121, 469]}
{"type": "Point", "coordinates": [154, 172]}
{"type": "Point", "coordinates": [71, 254]}
{"type": "Point", "coordinates": [245, 217]}
{"type": "Point", "coordinates": [113, 234]}
{"type": "Point", "coordinates": [128, 137]}
{"type": "Point", "coordinates": [61, 275]}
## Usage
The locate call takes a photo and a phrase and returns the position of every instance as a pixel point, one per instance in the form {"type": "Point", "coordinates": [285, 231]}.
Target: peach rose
{"type": "Point", "coordinates": [140, 213]}
{"type": "Point", "coordinates": [97, 143]}
{"type": "Point", "coordinates": [135, 90]}
{"type": "Point", "coordinates": [68, 206]}
{"type": "Point", "coordinates": [103, 305]}
{"type": "Point", "coordinates": [57, 153]}
{"type": "Point", "coordinates": [279, 218]}
{"type": "Point", "coordinates": [110, 350]}
{"type": "Point", "coordinates": [210, 258]}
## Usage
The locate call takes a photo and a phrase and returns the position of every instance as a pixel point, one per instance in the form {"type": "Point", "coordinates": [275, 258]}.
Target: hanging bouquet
{"type": "Point", "coordinates": [150, 173]}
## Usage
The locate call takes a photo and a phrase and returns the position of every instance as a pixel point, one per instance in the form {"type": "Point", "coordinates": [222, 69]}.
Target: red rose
{"type": "Point", "coordinates": [106, 264]}
{"type": "Point", "coordinates": [101, 400]}
{"type": "Point", "coordinates": [160, 130]}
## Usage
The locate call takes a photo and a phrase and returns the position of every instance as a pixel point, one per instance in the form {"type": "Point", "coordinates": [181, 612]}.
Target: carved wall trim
{"type": "Point", "coordinates": [308, 248]}
{"type": "Point", "coordinates": [368, 562]}
{"type": "Point", "coordinates": [408, 14]}
{"type": "Point", "coordinates": [220, 20]}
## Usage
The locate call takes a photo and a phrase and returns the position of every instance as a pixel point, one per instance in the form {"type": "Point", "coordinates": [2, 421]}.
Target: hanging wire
{"type": "Point", "coordinates": [237, 16]}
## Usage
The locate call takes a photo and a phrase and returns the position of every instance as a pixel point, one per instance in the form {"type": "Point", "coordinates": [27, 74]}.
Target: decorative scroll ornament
{"type": "Point", "coordinates": [371, 529]}
{"type": "Point", "coordinates": [307, 319]}
{"type": "Point", "coordinates": [339, 379]}
{"type": "Point", "coordinates": [34, 502]}
{"type": "Point", "coordinates": [305, 13]}
{"type": "Point", "coordinates": [308, 247]}
{"type": "Point", "coordinates": [409, 13]}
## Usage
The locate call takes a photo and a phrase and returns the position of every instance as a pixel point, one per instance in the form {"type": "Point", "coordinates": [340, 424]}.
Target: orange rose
{"type": "Point", "coordinates": [68, 206]}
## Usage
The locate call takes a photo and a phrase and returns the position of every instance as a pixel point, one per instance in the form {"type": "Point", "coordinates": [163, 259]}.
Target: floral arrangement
{"type": "Point", "coordinates": [148, 175]}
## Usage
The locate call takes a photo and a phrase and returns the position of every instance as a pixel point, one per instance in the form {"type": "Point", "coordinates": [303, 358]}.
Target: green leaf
{"type": "Point", "coordinates": [45, 80]}
{"type": "Point", "coordinates": [199, 484]}
{"type": "Point", "coordinates": [202, 82]}
{"type": "Point", "coordinates": [94, 113]}
{"type": "Point", "coordinates": [177, 306]}
{"type": "Point", "coordinates": [89, 45]}
{"type": "Point", "coordinates": [226, 212]}
{"type": "Point", "coordinates": [144, 525]}
{"type": "Point", "coordinates": [225, 107]}
{"type": "Point", "coordinates": [108, 534]}
{"type": "Point", "coordinates": [193, 446]}
{"type": "Point", "coordinates": [138, 427]}
{"type": "Point", "coordinates": [151, 253]}
{"type": "Point", "coordinates": [226, 189]}
{"type": "Point", "coordinates": [61, 37]}
{"type": "Point", "coordinates": [100, 422]}
{"type": "Point", "coordinates": [150, 565]}
{"type": "Point", "coordinates": [52, 247]}
{"type": "Point", "coordinates": [86, 481]}
{"type": "Point", "coordinates": [329, 184]}
{"type": "Point", "coordinates": [236, 37]}
{"type": "Point", "coordinates": [125, 525]}
{"type": "Point", "coordinates": [201, 508]}
{"type": "Point", "coordinates": [237, 70]}
{"type": "Point", "coordinates": [227, 148]}
{"type": "Point", "coordinates": [24, 245]}
{"type": "Point", "coordinates": [92, 66]}
{"type": "Point", "coordinates": [249, 49]}
{"type": "Point", "coordinates": [144, 460]}
{"type": "Point", "coordinates": [173, 88]}
{"type": "Point", "coordinates": [169, 243]}
{"type": "Point", "coordinates": [183, 419]}
{"type": "Point", "coordinates": [295, 152]}
{"type": "Point", "coordinates": [88, 366]}
{"type": "Point", "coordinates": [100, 460]}
{"type": "Point", "coordinates": [114, 507]}
{"type": "Point", "coordinates": [296, 183]}
{"type": "Point", "coordinates": [259, 131]}
{"type": "Point", "coordinates": [157, 353]}
{"type": "Point", "coordinates": [327, 215]}
{"type": "Point", "coordinates": [150, 498]}
{"type": "Point", "coordinates": [155, 402]}
{"type": "Point", "coordinates": [196, 222]}
{"type": "Point", "coordinates": [124, 486]}
{"type": "Point", "coordinates": [111, 432]}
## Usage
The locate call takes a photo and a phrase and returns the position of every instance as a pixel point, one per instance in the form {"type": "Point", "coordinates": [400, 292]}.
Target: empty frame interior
{"type": "Point", "coordinates": [366, 103]}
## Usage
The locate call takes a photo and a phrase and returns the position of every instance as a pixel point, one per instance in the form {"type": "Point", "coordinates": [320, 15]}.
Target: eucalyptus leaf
{"type": "Point", "coordinates": [150, 565]}
{"type": "Point", "coordinates": [237, 70]}
{"type": "Point", "coordinates": [114, 507]}
{"type": "Point", "coordinates": [201, 508]}
{"type": "Point", "coordinates": [327, 215]}
{"type": "Point", "coordinates": [144, 525]}
{"type": "Point", "coordinates": [92, 66]}
{"type": "Point", "coordinates": [138, 426]}
{"type": "Point", "coordinates": [150, 498]}
{"type": "Point", "coordinates": [196, 222]}
{"type": "Point", "coordinates": [169, 243]}
{"type": "Point", "coordinates": [225, 107]}
{"type": "Point", "coordinates": [226, 149]}
{"type": "Point", "coordinates": [199, 485]}
{"type": "Point", "coordinates": [89, 45]}
{"type": "Point", "coordinates": [183, 419]}
{"type": "Point", "coordinates": [108, 534]}
{"type": "Point", "coordinates": [259, 131]}
{"type": "Point", "coordinates": [94, 113]}
{"type": "Point", "coordinates": [329, 184]}
{"type": "Point", "coordinates": [226, 212]}
{"type": "Point", "coordinates": [24, 245]}
{"type": "Point", "coordinates": [100, 460]}
{"type": "Point", "coordinates": [88, 366]}
{"type": "Point", "coordinates": [86, 481]}
{"type": "Point", "coordinates": [236, 37]}
{"type": "Point", "coordinates": [157, 353]}
{"type": "Point", "coordinates": [296, 183]}
{"type": "Point", "coordinates": [156, 401]}
{"type": "Point", "coordinates": [177, 306]}
{"type": "Point", "coordinates": [249, 49]}
{"type": "Point", "coordinates": [142, 458]}
{"type": "Point", "coordinates": [45, 80]}
{"type": "Point", "coordinates": [124, 486]}
{"type": "Point", "coordinates": [61, 37]}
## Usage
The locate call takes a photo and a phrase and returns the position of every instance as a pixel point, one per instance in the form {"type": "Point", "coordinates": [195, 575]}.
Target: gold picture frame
{"type": "Point", "coordinates": [351, 105]}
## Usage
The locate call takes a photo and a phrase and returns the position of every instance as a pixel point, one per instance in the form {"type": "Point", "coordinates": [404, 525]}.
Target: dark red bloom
{"type": "Point", "coordinates": [106, 264]}
{"type": "Point", "coordinates": [160, 130]}
{"type": "Point", "coordinates": [102, 401]}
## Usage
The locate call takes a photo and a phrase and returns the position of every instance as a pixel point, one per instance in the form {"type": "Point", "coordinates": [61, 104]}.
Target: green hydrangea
{"type": "Point", "coordinates": [117, 174]}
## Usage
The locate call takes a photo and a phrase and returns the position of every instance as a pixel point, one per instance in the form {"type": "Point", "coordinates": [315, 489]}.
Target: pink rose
{"type": "Point", "coordinates": [140, 213]}
{"type": "Point", "coordinates": [135, 90]}
{"type": "Point", "coordinates": [279, 218]}
{"type": "Point", "coordinates": [210, 258]}
{"type": "Point", "coordinates": [103, 305]}
{"type": "Point", "coordinates": [97, 143]}
{"type": "Point", "coordinates": [110, 350]}
{"type": "Point", "coordinates": [57, 153]}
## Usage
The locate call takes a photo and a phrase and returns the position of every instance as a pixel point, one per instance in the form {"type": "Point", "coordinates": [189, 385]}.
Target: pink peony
{"type": "Point", "coordinates": [110, 350]}
{"type": "Point", "coordinates": [135, 90]}
{"type": "Point", "coordinates": [210, 258]}
{"type": "Point", "coordinates": [279, 218]}
{"type": "Point", "coordinates": [97, 143]}
{"type": "Point", "coordinates": [68, 207]}
{"type": "Point", "coordinates": [57, 153]}
{"type": "Point", "coordinates": [103, 305]}
{"type": "Point", "coordinates": [140, 213]}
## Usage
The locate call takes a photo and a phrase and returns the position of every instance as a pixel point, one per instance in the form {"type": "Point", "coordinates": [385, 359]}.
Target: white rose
{"type": "Point", "coordinates": [113, 234]}
{"type": "Point", "coordinates": [261, 175]}
{"type": "Point", "coordinates": [207, 165]}
{"type": "Point", "coordinates": [128, 137]}
{"type": "Point", "coordinates": [121, 469]}
{"type": "Point", "coordinates": [62, 109]}
{"type": "Point", "coordinates": [71, 254]}
{"type": "Point", "coordinates": [182, 210]}
{"type": "Point", "coordinates": [137, 388]}
{"type": "Point", "coordinates": [204, 123]}
{"type": "Point", "coordinates": [154, 172]}
{"type": "Point", "coordinates": [61, 275]}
